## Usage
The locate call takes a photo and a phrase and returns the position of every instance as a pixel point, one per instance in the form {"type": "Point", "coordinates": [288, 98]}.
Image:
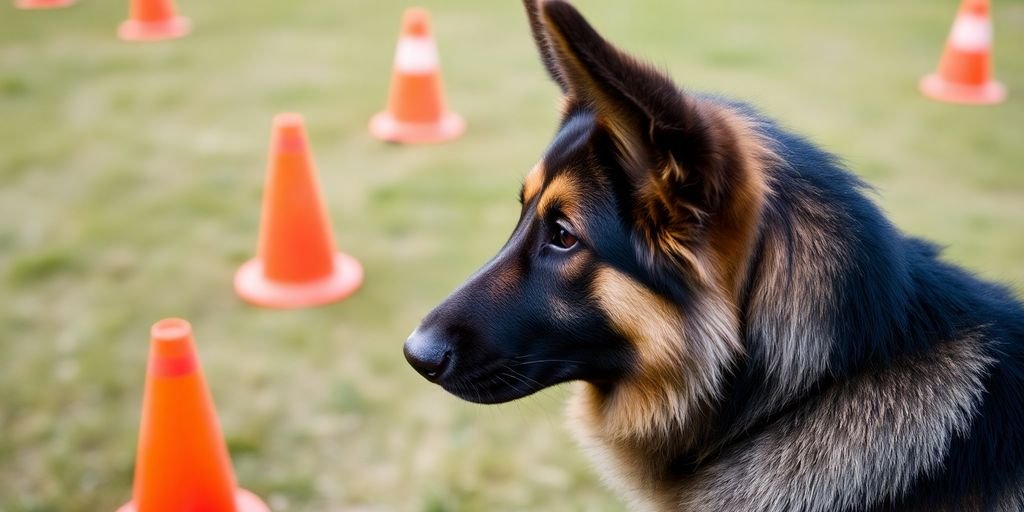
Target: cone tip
{"type": "Point", "coordinates": [286, 120]}
{"type": "Point", "coordinates": [416, 22]}
{"type": "Point", "coordinates": [171, 330]}
{"type": "Point", "coordinates": [171, 338]}
{"type": "Point", "coordinates": [290, 132]}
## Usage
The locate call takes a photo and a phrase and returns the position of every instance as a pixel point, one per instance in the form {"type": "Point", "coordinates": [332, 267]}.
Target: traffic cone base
{"type": "Point", "coordinates": [138, 30]}
{"type": "Point", "coordinates": [935, 87]}
{"type": "Point", "coordinates": [252, 284]}
{"type": "Point", "coordinates": [384, 126]}
{"type": "Point", "coordinates": [245, 501]}
{"type": "Point", "coordinates": [43, 4]}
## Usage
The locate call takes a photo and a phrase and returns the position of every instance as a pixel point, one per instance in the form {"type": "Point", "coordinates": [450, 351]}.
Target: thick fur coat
{"type": "Point", "coordinates": [747, 331]}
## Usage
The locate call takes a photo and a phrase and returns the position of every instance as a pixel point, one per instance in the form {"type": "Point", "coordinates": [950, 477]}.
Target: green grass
{"type": "Point", "coordinates": [130, 178]}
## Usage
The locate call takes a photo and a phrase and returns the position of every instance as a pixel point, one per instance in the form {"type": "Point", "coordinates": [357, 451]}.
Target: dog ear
{"type": "Point", "coordinates": [629, 97]}
{"type": "Point", "coordinates": [660, 132]}
{"type": "Point", "coordinates": [679, 151]}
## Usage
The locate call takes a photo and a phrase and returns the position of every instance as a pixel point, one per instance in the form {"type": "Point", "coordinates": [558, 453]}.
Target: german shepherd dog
{"type": "Point", "coordinates": [747, 330]}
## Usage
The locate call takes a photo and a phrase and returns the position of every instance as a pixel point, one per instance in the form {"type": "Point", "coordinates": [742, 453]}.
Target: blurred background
{"type": "Point", "coordinates": [130, 183]}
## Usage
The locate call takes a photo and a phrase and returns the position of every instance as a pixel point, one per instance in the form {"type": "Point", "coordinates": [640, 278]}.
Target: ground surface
{"type": "Point", "coordinates": [130, 178]}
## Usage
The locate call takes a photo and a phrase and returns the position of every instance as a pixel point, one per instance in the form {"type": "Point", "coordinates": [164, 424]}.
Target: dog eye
{"type": "Point", "coordinates": [562, 238]}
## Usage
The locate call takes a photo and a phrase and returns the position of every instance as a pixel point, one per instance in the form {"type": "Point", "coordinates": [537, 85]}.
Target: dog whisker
{"type": "Point", "coordinates": [520, 376]}
{"type": "Point", "coordinates": [513, 376]}
{"type": "Point", "coordinates": [507, 383]}
{"type": "Point", "coordinates": [539, 361]}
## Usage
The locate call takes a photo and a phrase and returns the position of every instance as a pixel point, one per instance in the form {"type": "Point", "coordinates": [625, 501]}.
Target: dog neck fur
{"type": "Point", "coordinates": [686, 355]}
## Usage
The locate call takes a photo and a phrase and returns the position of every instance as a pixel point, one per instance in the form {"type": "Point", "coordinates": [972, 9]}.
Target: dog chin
{"type": "Point", "coordinates": [496, 391]}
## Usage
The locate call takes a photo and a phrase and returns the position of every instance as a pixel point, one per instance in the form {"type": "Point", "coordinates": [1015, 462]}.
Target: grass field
{"type": "Point", "coordinates": [130, 178]}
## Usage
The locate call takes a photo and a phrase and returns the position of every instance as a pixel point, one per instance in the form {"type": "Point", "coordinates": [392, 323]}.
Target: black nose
{"type": "Point", "coordinates": [428, 354]}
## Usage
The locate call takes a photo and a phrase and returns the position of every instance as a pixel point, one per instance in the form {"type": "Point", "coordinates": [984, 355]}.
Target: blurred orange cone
{"type": "Point", "coordinates": [416, 111]}
{"type": "Point", "coordinates": [297, 264]}
{"type": "Point", "coordinates": [965, 70]}
{"type": "Point", "coordinates": [182, 462]}
{"type": "Point", "coordinates": [42, 4]}
{"type": "Point", "coordinates": [153, 20]}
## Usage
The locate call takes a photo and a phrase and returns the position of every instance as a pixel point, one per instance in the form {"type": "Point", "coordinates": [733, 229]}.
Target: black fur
{"type": "Point", "coordinates": [899, 298]}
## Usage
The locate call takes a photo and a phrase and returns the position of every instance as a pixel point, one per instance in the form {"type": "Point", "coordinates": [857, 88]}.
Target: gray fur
{"type": "Point", "coordinates": [790, 304]}
{"type": "Point", "coordinates": [861, 442]}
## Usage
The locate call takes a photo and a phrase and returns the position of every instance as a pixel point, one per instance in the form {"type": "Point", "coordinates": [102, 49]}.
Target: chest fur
{"type": "Point", "coordinates": [859, 443]}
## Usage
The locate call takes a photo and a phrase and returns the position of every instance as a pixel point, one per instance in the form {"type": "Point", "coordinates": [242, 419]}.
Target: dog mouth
{"type": "Point", "coordinates": [494, 384]}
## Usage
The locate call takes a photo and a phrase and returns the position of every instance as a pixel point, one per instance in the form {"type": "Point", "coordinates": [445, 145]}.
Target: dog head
{"type": "Point", "coordinates": [639, 215]}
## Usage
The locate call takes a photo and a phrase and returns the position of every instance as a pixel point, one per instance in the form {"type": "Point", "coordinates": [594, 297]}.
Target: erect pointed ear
{"type": "Point", "coordinates": [656, 127]}
{"type": "Point", "coordinates": [685, 157]}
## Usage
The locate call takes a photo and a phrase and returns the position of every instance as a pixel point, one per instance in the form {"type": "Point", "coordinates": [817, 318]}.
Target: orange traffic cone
{"type": "Point", "coordinates": [297, 264]}
{"type": "Point", "coordinates": [965, 71]}
{"type": "Point", "coordinates": [42, 4]}
{"type": "Point", "coordinates": [153, 20]}
{"type": "Point", "coordinates": [182, 462]}
{"type": "Point", "coordinates": [416, 109]}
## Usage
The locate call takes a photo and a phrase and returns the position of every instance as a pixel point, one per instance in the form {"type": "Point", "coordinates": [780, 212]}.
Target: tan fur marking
{"type": "Point", "coordinates": [681, 365]}
{"type": "Point", "coordinates": [534, 181]}
{"type": "Point", "coordinates": [502, 281]}
{"type": "Point", "coordinates": [651, 322]}
{"type": "Point", "coordinates": [651, 402]}
{"type": "Point", "coordinates": [735, 226]}
{"type": "Point", "coordinates": [562, 189]}
{"type": "Point", "coordinates": [681, 359]}
{"type": "Point", "coordinates": [563, 105]}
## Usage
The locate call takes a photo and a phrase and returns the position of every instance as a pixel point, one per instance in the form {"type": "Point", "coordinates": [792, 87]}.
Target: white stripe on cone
{"type": "Point", "coordinates": [416, 56]}
{"type": "Point", "coordinates": [971, 33]}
